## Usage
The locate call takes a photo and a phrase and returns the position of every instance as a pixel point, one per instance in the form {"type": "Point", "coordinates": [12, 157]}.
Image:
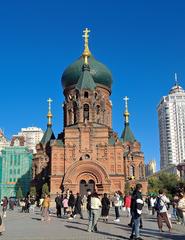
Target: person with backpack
{"type": "Point", "coordinates": [162, 212]}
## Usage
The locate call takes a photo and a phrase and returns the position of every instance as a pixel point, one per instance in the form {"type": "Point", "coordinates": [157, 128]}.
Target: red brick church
{"type": "Point", "coordinates": [88, 153]}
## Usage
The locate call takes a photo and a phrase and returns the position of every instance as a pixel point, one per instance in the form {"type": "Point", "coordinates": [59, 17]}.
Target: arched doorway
{"type": "Point", "coordinates": [84, 186]}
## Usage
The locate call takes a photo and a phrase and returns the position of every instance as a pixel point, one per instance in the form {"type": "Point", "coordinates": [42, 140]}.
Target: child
{"type": "Point", "coordinates": [65, 204]}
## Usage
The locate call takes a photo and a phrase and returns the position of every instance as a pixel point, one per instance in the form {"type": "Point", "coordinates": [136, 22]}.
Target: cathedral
{"type": "Point", "coordinates": [88, 154]}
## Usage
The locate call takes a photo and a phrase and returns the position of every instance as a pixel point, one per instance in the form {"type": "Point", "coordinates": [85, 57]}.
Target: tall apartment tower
{"type": "Point", "coordinates": [32, 136]}
{"type": "Point", "coordinates": [171, 117]}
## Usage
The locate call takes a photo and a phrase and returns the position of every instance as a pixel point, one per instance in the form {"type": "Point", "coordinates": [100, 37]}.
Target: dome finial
{"type": "Point", "coordinates": [86, 52]}
{"type": "Point", "coordinates": [49, 115]}
{"type": "Point", "coordinates": [126, 113]}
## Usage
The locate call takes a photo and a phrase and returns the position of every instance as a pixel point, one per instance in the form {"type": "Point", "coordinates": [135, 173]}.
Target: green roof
{"type": "Point", "coordinates": [111, 140]}
{"type": "Point", "coordinates": [85, 81]}
{"type": "Point", "coordinates": [48, 135]}
{"type": "Point", "coordinates": [99, 72]}
{"type": "Point", "coordinates": [127, 134]}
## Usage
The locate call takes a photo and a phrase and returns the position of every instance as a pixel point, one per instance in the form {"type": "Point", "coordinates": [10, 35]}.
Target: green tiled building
{"type": "Point", "coordinates": [15, 169]}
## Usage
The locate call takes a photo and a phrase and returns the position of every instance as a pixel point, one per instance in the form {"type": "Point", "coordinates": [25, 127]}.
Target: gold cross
{"type": "Point", "coordinates": [86, 36]}
{"type": "Point", "coordinates": [86, 52]}
{"type": "Point", "coordinates": [49, 104]}
{"type": "Point", "coordinates": [126, 102]}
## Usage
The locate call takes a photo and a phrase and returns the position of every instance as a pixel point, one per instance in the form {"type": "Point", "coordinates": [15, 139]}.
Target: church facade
{"type": "Point", "coordinates": [88, 154]}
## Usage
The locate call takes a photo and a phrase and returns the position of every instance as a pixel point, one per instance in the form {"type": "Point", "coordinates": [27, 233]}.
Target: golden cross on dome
{"type": "Point", "coordinates": [86, 52]}
{"type": "Point", "coordinates": [126, 102]}
{"type": "Point", "coordinates": [49, 116]}
{"type": "Point", "coordinates": [126, 113]}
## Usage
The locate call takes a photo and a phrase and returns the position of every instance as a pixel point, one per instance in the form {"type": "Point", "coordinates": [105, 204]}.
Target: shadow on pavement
{"type": "Point", "coordinates": [115, 237]}
{"type": "Point", "coordinates": [38, 219]}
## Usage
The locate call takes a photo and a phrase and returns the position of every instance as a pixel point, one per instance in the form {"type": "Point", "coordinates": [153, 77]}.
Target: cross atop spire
{"type": "Point", "coordinates": [86, 52]}
{"type": "Point", "coordinates": [49, 115]}
{"type": "Point", "coordinates": [126, 113]}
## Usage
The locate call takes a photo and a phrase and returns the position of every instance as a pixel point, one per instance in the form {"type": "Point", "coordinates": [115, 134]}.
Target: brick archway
{"type": "Point", "coordinates": [86, 170]}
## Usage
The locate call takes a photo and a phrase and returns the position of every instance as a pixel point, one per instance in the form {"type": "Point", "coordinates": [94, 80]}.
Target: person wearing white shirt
{"type": "Point", "coordinates": [94, 212]}
{"type": "Point", "coordinates": [162, 213]}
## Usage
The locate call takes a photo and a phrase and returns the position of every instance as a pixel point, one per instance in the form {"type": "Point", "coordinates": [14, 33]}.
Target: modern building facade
{"type": "Point", "coordinates": [88, 153]}
{"type": "Point", "coordinates": [15, 168]}
{"type": "Point", "coordinates": [3, 141]}
{"type": "Point", "coordinates": [150, 168]}
{"type": "Point", "coordinates": [32, 136]}
{"type": "Point", "coordinates": [171, 117]}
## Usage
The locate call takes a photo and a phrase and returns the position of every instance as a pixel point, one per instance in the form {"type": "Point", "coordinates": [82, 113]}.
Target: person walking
{"type": "Point", "coordinates": [45, 208]}
{"type": "Point", "coordinates": [78, 207]}
{"type": "Point", "coordinates": [4, 205]}
{"type": "Point", "coordinates": [71, 201]}
{"type": "Point", "coordinates": [116, 206]}
{"type": "Point", "coordinates": [95, 212]}
{"type": "Point", "coordinates": [136, 211]}
{"type": "Point", "coordinates": [65, 204]}
{"type": "Point", "coordinates": [58, 201]}
{"type": "Point", "coordinates": [105, 207]}
{"type": "Point", "coordinates": [127, 204]}
{"type": "Point", "coordinates": [2, 227]}
{"type": "Point", "coordinates": [162, 212]}
{"type": "Point", "coordinates": [181, 206]}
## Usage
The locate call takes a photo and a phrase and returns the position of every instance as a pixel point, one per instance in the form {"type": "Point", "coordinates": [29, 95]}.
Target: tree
{"type": "Point", "coordinates": [45, 189]}
{"type": "Point", "coordinates": [164, 180]}
{"type": "Point", "coordinates": [19, 194]}
{"type": "Point", "coordinates": [33, 191]}
{"type": "Point", "coordinates": [127, 187]}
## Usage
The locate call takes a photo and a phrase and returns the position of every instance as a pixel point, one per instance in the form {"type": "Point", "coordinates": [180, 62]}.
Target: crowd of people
{"type": "Point", "coordinates": [69, 206]}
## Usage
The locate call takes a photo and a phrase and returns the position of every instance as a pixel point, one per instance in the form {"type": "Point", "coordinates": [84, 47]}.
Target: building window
{"type": "Point", "coordinates": [141, 174]}
{"type": "Point", "coordinates": [10, 171]}
{"type": "Point", "coordinates": [132, 171]}
{"type": "Point", "coordinates": [19, 160]}
{"type": "Point", "coordinates": [86, 94]}
{"type": "Point", "coordinates": [10, 179]}
{"type": "Point", "coordinates": [98, 109]}
{"type": "Point", "coordinates": [18, 171]}
{"type": "Point", "coordinates": [75, 112]}
{"type": "Point", "coordinates": [86, 112]}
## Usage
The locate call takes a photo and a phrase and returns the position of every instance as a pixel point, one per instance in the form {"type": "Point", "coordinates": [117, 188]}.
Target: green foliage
{"type": "Point", "coordinates": [127, 187]}
{"type": "Point", "coordinates": [45, 189]}
{"type": "Point", "coordinates": [166, 181]}
{"type": "Point", "coordinates": [32, 191]}
{"type": "Point", "coordinates": [19, 193]}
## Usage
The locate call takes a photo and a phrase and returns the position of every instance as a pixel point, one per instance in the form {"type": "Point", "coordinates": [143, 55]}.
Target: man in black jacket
{"type": "Point", "coordinates": [71, 201]}
{"type": "Point", "coordinates": [136, 210]}
{"type": "Point", "coordinates": [58, 201]}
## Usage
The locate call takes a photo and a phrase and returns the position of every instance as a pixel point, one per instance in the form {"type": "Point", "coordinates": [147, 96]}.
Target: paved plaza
{"type": "Point", "coordinates": [25, 226]}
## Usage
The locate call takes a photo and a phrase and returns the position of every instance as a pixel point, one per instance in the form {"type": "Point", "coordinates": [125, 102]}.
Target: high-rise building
{"type": "Point", "coordinates": [15, 168]}
{"type": "Point", "coordinates": [88, 153]}
{"type": "Point", "coordinates": [171, 117]}
{"type": "Point", "coordinates": [3, 141]}
{"type": "Point", "coordinates": [32, 136]}
{"type": "Point", "coordinates": [150, 168]}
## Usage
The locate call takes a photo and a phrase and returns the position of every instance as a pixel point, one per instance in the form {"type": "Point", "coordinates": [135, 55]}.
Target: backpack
{"type": "Point", "coordinates": [157, 206]}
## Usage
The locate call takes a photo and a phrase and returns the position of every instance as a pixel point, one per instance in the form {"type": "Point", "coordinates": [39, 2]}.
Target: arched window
{"type": "Point", "coordinates": [86, 94]}
{"type": "Point", "coordinates": [141, 173]}
{"type": "Point", "coordinates": [132, 171]}
{"type": "Point", "coordinates": [75, 112]}
{"type": "Point", "coordinates": [98, 109]}
{"type": "Point", "coordinates": [86, 112]}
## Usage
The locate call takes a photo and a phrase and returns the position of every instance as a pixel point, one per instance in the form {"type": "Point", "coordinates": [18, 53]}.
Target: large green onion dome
{"type": "Point", "coordinates": [99, 72]}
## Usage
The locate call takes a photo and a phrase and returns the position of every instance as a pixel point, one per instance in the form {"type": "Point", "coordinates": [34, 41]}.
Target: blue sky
{"type": "Point", "coordinates": [142, 43]}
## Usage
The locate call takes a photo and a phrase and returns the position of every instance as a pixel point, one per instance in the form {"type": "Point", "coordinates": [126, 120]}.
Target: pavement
{"type": "Point", "coordinates": [28, 226]}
